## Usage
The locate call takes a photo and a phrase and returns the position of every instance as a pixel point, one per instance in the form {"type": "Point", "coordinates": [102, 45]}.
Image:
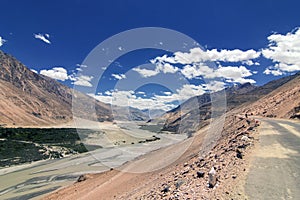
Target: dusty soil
{"type": "Point", "coordinates": [283, 102]}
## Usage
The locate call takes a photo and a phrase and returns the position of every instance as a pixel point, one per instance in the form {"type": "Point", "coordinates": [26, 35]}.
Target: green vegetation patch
{"type": "Point", "coordinates": [20, 145]}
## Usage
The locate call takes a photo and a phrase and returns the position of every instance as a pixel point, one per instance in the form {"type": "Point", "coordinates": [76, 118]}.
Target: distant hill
{"type": "Point", "coordinates": [196, 111]}
{"type": "Point", "coordinates": [30, 99]}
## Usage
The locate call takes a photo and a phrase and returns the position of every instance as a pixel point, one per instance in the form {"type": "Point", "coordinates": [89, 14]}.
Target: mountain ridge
{"type": "Point", "coordinates": [28, 98]}
{"type": "Point", "coordinates": [185, 114]}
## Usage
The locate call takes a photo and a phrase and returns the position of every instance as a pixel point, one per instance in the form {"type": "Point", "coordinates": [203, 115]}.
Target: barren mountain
{"type": "Point", "coordinates": [196, 111]}
{"type": "Point", "coordinates": [284, 102]}
{"type": "Point", "coordinates": [30, 99]}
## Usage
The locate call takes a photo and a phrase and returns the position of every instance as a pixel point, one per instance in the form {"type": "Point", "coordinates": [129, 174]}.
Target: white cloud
{"type": "Point", "coordinates": [215, 86]}
{"type": "Point", "coordinates": [43, 37]}
{"type": "Point", "coordinates": [231, 74]}
{"type": "Point", "coordinates": [119, 76]}
{"type": "Point", "coordinates": [2, 41]}
{"type": "Point", "coordinates": [164, 102]}
{"type": "Point", "coordinates": [159, 67]}
{"type": "Point", "coordinates": [145, 72]}
{"type": "Point", "coordinates": [273, 72]}
{"type": "Point", "coordinates": [196, 70]}
{"type": "Point", "coordinates": [82, 80]}
{"type": "Point", "coordinates": [163, 58]}
{"type": "Point", "coordinates": [195, 64]}
{"type": "Point", "coordinates": [58, 73]}
{"type": "Point", "coordinates": [284, 51]}
{"type": "Point", "coordinates": [128, 98]}
{"type": "Point", "coordinates": [81, 65]}
{"type": "Point", "coordinates": [197, 55]}
{"type": "Point", "coordinates": [140, 92]}
{"type": "Point", "coordinates": [166, 68]}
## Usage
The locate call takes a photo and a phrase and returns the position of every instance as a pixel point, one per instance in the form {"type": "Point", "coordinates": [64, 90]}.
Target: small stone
{"type": "Point", "coordinates": [185, 171]}
{"type": "Point", "coordinates": [166, 189]}
{"type": "Point", "coordinates": [179, 183]}
{"type": "Point", "coordinates": [81, 178]}
{"type": "Point", "coordinates": [245, 138]}
{"type": "Point", "coordinates": [239, 154]}
{"type": "Point", "coordinates": [200, 174]}
{"type": "Point", "coordinates": [212, 179]}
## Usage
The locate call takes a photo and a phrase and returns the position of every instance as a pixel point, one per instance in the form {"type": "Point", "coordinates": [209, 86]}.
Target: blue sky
{"type": "Point", "coordinates": [55, 37]}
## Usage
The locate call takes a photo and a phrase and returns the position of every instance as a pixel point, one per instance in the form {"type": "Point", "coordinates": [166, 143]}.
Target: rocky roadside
{"type": "Point", "coordinates": [229, 159]}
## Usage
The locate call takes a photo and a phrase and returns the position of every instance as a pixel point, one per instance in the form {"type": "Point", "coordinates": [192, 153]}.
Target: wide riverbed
{"type": "Point", "coordinates": [31, 181]}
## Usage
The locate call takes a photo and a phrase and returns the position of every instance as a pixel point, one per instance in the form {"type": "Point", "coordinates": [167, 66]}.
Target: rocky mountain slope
{"type": "Point", "coordinates": [196, 111]}
{"type": "Point", "coordinates": [284, 102]}
{"type": "Point", "coordinates": [30, 99]}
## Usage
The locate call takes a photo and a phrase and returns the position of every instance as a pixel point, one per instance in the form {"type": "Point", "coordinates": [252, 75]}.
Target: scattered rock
{"type": "Point", "coordinates": [245, 138]}
{"type": "Point", "coordinates": [81, 178]}
{"type": "Point", "coordinates": [200, 174]}
{"type": "Point", "coordinates": [179, 183]}
{"type": "Point", "coordinates": [166, 189]}
{"type": "Point", "coordinates": [212, 178]}
{"type": "Point", "coordinates": [185, 171]}
{"type": "Point", "coordinates": [239, 154]}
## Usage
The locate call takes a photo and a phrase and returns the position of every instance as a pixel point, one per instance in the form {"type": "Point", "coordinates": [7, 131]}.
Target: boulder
{"type": "Point", "coordinates": [212, 178]}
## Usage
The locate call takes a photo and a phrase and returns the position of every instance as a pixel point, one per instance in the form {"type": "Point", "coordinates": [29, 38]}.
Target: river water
{"type": "Point", "coordinates": [32, 181]}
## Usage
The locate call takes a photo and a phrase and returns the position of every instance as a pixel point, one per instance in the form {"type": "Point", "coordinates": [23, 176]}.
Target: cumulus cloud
{"type": "Point", "coordinates": [145, 72]}
{"type": "Point", "coordinates": [119, 76]}
{"type": "Point", "coordinates": [274, 72]}
{"type": "Point", "coordinates": [198, 55]}
{"type": "Point", "coordinates": [232, 74]}
{"type": "Point", "coordinates": [166, 68]}
{"type": "Point", "coordinates": [196, 70]}
{"type": "Point", "coordinates": [128, 98]}
{"type": "Point", "coordinates": [164, 101]}
{"type": "Point", "coordinates": [160, 67]}
{"type": "Point", "coordinates": [2, 41]}
{"type": "Point", "coordinates": [215, 86]}
{"type": "Point", "coordinates": [43, 37]}
{"type": "Point", "coordinates": [195, 64]}
{"type": "Point", "coordinates": [81, 80]}
{"type": "Point", "coordinates": [284, 51]}
{"type": "Point", "coordinates": [58, 73]}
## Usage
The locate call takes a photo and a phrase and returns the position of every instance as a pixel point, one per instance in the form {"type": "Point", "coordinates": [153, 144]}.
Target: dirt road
{"type": "Point", "coordinates": [275, 169]}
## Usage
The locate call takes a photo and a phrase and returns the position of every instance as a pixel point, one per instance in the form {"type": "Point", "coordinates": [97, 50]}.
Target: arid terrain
{"type": "Point", "coordinates": [165, 158]}
{"type": "Point", "coordinates": [232, 154]}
